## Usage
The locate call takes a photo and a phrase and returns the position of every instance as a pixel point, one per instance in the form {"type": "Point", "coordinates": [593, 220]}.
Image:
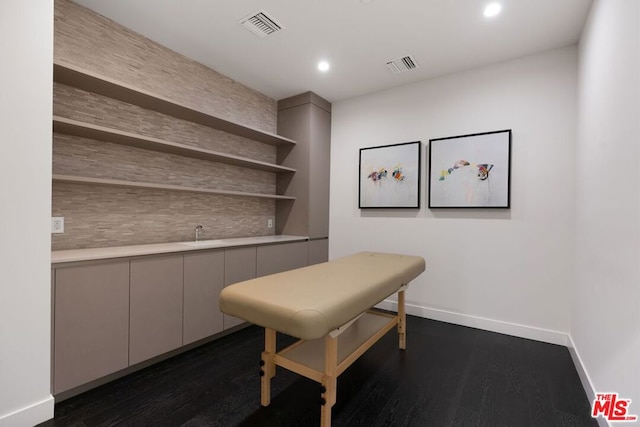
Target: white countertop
{"type": "Point", "coordinates": [75, 255]}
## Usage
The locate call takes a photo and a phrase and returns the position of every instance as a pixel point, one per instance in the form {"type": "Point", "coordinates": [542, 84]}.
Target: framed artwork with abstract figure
{"type": "Point", "coordinates": [390, 176]}
{"type": "Point", "coordinates": [470, 171]}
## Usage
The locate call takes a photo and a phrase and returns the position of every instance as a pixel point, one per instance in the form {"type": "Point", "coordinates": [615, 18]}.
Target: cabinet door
{"type": "Point", "coordinates": [281, 257]}
{"type": "Point", "coordinates": [318, 251]}
{"type": "Point", "coordinates": [203, 282]}
{"type": "Point", "coordinates": [319, 169]}
{"type": "Point", "coordinates": [156, 307]}
{"type": "Point", "coordinates": [91, 323]}
{"type": "Point", "coordinates": [239, 265]}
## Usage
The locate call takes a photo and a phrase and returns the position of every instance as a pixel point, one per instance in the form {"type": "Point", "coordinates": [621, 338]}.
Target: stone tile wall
{"type": "Point", "coordinates": [99, 216]}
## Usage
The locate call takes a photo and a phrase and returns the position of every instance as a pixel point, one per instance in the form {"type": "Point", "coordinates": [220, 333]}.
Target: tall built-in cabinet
{"type": "Point", "coordinates": [307, 119]}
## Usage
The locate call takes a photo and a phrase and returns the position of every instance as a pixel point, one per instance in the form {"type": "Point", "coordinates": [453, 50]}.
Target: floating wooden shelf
{"type": "Point", "coordinates": [131, 184]}
{"type": "Point", "coordinates": [101, 133]}
{"type": "Point", "coordinates": [82, 79]}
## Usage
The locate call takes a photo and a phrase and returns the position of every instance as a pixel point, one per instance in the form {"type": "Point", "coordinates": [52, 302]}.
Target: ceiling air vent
{"type": "Point", "coordinates": [260, 23]}
{"type": "Point", "coordinates": [401, 65]}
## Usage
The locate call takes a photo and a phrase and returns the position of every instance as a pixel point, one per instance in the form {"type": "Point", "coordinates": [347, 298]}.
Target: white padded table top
{"type": "Point", "coordinates": [310, 302]}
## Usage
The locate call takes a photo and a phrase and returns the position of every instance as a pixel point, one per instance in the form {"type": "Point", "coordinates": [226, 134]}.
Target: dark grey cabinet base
{"type": "Point", "coordinates": [112, 316]}
{"type": "Point", "coordinates": [282, 257]}
{"type": "Point", "coordinates": [239, 265]}
{"type": "Point", "coordinates": [203, 281]}
{"type": "Point", "coordinates": [156, 288]}
{"type": "Point", "coordinates": [91, 323]}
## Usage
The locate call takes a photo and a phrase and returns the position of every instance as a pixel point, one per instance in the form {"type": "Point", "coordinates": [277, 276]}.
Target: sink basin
{"type": "Point", "coordinates": [203, 243]}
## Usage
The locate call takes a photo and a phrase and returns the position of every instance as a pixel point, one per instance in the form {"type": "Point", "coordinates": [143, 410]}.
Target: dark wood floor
{"type": "Point", "coordinates": [448, 376]}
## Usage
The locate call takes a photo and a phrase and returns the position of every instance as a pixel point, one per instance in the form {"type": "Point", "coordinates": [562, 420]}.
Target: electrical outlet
{"type": "Point", "coordinates": [57, 224]}
{"type": "Point", "coordinates": [269, 223]}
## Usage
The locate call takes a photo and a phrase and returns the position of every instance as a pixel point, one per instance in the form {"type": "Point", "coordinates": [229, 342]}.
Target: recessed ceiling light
{"type": "Point", "coordinates": [492, 9]}
{"type": "Point", "coordinates": [323, 66]}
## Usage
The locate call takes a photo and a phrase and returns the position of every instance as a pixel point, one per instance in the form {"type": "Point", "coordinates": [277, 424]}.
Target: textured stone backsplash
{"type": "Point", "coordinates": [78, 156]}
{"type": "Point", "coordinates": [76, 104]}
{"type": "Point", "coordinates": [100, 216]}
{"type": "Point", "coordinates": [97, 216]}
{"type": "Point", "coordinates": [95, 43]}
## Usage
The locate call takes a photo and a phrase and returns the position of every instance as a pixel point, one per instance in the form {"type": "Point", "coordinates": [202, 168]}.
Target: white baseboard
{"type": "Point", "coordinates": [29, 416]}
{"type": "Point", "coordinates": [514, 329]}
{"type": "Point", "coordinates": [585, 379]}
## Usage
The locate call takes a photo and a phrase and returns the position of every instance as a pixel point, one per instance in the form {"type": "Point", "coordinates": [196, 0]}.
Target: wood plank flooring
{"type": "Point", "coordinates": [449, 376]}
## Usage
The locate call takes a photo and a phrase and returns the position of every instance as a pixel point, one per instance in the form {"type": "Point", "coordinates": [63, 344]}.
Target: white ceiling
{"type": "Point", "coordinates": [444, 36]}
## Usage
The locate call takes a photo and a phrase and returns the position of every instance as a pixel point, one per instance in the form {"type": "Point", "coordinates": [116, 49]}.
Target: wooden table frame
{"type": "Point", "coordinates": [303, 357]}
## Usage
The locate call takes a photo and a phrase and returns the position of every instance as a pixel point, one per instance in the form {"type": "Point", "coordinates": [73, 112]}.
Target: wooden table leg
{"type": "Point", "coordinates": [402, 321]}
{"type": "Point", "coordinates": [329, 380]}
{"type": "Point", "coordinates": [268, 369]}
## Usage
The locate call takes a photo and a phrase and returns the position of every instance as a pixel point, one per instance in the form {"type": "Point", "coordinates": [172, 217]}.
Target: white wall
{"type": "Point", "coordinates": [492, 269]}
{"type": "Point", "coordinates": [605, 324]}
{"type": "Point", "coordinates": [26, 48]}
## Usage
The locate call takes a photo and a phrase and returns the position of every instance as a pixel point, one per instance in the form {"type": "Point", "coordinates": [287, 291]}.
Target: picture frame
{"type": "Point", "coordinates": [470, 171]}
{"type": "Point", "coordinates": [390, 176]}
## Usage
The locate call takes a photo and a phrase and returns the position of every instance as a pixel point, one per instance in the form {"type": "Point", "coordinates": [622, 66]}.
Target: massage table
{"type": "Point", "coordinates": [328, 307]}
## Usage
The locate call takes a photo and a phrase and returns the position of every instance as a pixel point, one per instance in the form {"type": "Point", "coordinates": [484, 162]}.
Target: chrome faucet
{"type": "Point", "coordinates": [199, 229]}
